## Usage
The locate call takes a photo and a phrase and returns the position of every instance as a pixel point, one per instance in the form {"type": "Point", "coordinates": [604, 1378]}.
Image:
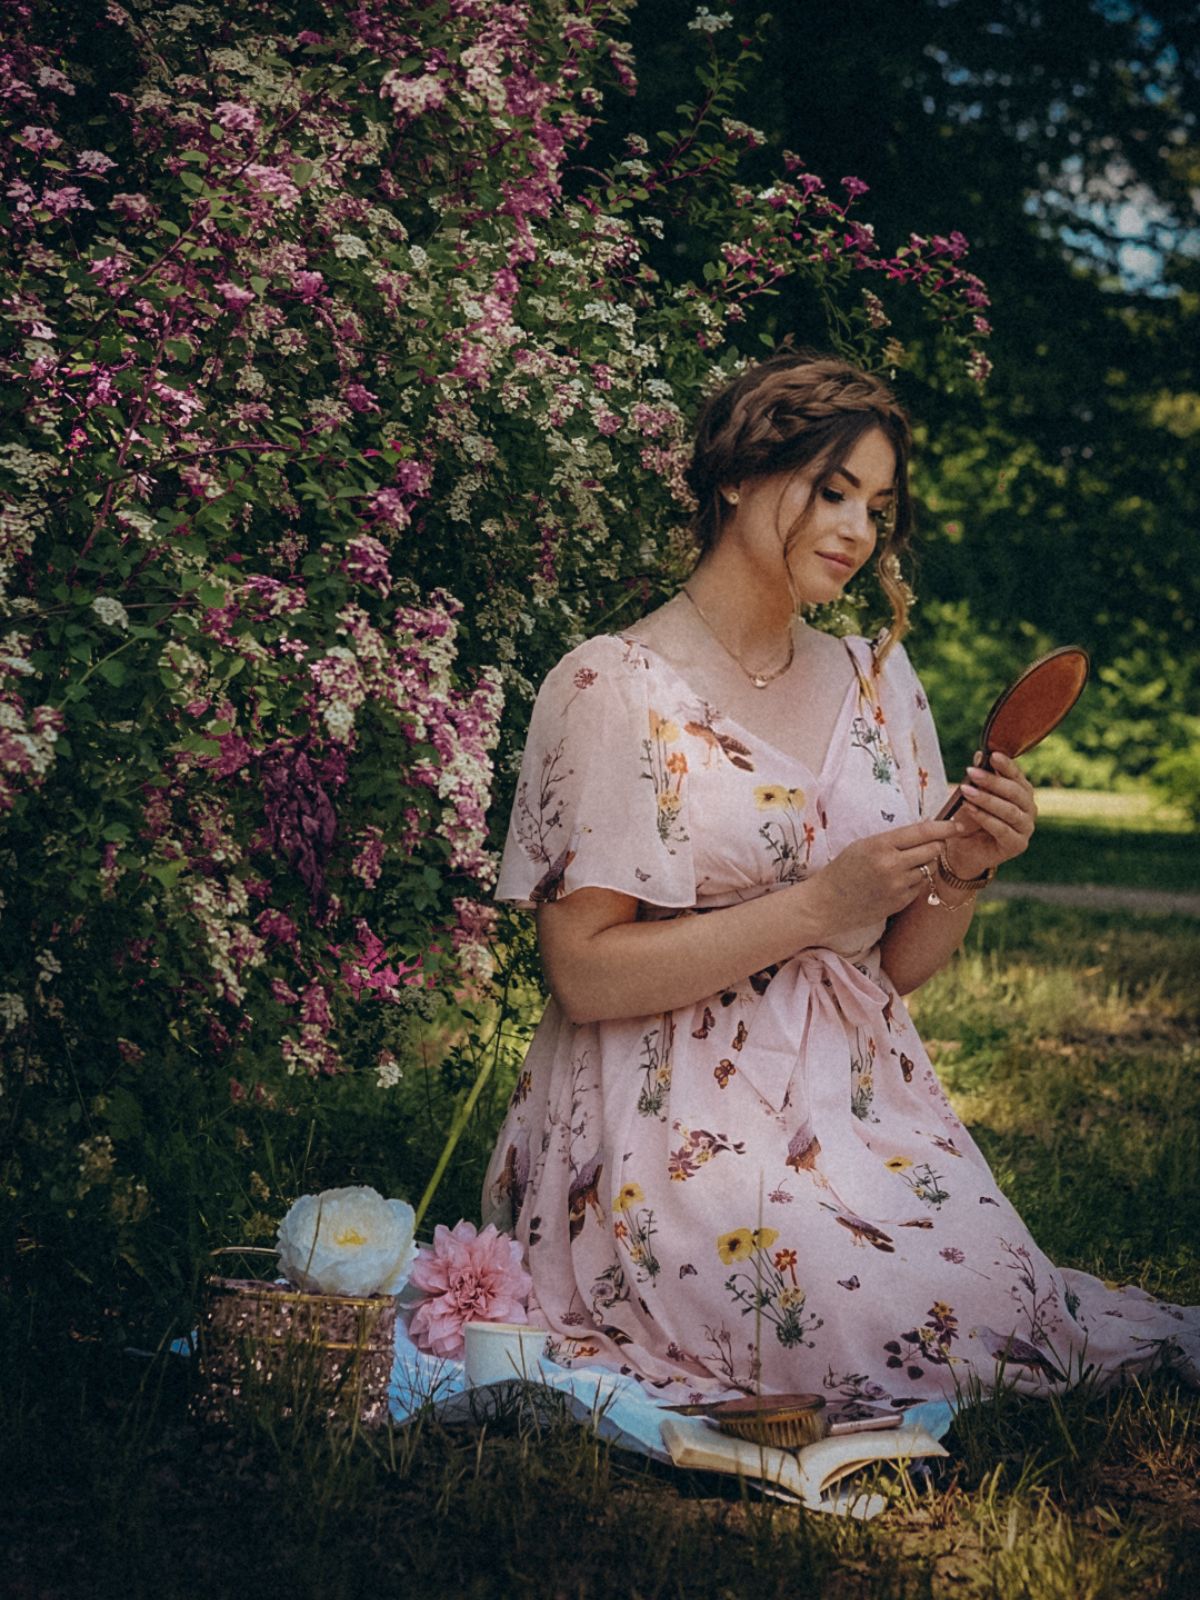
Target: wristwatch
{"type": "Point", "coordinates": [955, 882]}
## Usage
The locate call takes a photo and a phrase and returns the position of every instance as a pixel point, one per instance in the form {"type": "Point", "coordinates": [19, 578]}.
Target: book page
{"type": "Point", "coordinates": [829, 1460]}
{"type": "Point", "coordinates": [694, 1443]}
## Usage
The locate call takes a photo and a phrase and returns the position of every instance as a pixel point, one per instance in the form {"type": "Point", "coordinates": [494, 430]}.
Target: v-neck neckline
{"type": "Point", "coordinates": [856, 685]}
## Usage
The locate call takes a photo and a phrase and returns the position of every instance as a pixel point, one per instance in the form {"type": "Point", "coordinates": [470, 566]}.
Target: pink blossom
{"type": "Point", "coordinates": [314, 1006]}
{"type": "Point", "coordinates": [234, 295]}
{"type": "Point", "coordinates": [469, 1277]}
{"type": "Point", "coordinates": [52, 78]}
{"type": "Point", "coordinates": [279, 926]}
{"type": "Point", "coordinates": [105, 269]}
{"type": "Point", "coordinates": [367, 560]}
{"type": "Point", "coordinates": [271, 181]}
{"type": "Point", "coordinates": [235, 118]}
{"type": "Point", "coordinates": [236, 752]}
{"type": "Point", "coordinates": [578, 30]}
{"type": "Point", "coordinates": [94, 162]}
{"type": "Point", "coordinates": [387, 506]}
{"type": "Point", "coordinates": [360, 398]}
{"type": "Point", "coordinates": [368, 863]}
{"type": "Point", "coordinates": [134, 207]}
{"type": "Point", "coordinates": [855, 186]}
{"type": "Point", "coordinates": [38, 138]}
{"type": "Point", "coordinates": [61, 202]}
{"type": "Point", "coordinates": [308, 285]}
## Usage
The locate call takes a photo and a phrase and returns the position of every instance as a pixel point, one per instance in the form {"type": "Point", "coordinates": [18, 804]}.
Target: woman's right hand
{"type": "Point", "coordinates": [874, 878]}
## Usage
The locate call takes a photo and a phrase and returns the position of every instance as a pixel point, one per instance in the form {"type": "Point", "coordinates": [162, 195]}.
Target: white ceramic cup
{"type": "Point", "coordinates": [500, 1350]}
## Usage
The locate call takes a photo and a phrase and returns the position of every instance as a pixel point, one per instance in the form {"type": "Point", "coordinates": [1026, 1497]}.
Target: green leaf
{"type": "Point", "coordinates": [167, 872]}
{"type": "Point", "coordinates": [198, 743]}
{"type": "Point", "coordinates": [211, 594]}
{"type": "Point", "coordinates": [113, 671]}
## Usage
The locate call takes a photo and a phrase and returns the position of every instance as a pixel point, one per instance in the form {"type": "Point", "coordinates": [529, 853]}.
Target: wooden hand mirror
{"type": "Point", "coordinates": [1030, 708]}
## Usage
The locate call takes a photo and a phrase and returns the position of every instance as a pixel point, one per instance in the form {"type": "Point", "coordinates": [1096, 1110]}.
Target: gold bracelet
{"type": "Point", "coordinates": [971, 885]}
{"type": "Point", "coordinates": [933, 898]}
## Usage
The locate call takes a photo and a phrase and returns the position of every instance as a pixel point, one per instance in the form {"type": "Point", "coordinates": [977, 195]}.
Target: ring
{"type": "Point", "coordinates": [927, 874]}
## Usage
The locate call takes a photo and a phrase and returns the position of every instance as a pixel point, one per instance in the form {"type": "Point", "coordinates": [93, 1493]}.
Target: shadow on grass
{"type": "Point", "coordinates": [1068, 1042]}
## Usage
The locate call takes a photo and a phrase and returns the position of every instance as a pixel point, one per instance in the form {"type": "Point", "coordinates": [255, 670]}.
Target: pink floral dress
{"type": "Point", "coordinates": [768, 1187]}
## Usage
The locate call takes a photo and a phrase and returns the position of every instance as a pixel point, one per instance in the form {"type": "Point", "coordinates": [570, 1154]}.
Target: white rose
{"type": "Point", "coordinates": [347, 1241]}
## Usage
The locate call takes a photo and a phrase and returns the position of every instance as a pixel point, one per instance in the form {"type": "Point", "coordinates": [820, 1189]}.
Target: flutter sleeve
{"type": "Point", "coordinates": [913, 735]}
{"type": "Point", "coordinates": [602, 798]}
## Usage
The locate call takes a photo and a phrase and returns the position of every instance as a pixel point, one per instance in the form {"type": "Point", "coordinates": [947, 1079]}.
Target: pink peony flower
{"type": "Point", "coordinates": [469, 1277]}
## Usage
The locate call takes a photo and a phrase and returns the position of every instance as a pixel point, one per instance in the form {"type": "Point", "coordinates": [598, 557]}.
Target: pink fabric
{"type": "Point", "coordinates": [770, 1186]}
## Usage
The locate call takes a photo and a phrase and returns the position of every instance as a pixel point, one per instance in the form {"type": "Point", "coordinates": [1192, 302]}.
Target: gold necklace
{"type": "Point", "coordinates": [760, 680]}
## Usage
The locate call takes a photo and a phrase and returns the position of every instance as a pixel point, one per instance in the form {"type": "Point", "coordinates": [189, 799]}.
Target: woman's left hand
{"type": "Point", "coordinates": [998, 816]}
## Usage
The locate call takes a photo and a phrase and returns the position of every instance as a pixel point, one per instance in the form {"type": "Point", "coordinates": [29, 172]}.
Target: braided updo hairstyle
{"type": "Point", "coordinates": [800, 411]}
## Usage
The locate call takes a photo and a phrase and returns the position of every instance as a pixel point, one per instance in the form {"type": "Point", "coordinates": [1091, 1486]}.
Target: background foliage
{"type": "Point", "coordinates": [342, 395]}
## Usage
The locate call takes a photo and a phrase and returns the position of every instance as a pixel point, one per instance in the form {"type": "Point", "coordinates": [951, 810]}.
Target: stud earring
{"type": "Point", "coordinates": [733, 497]}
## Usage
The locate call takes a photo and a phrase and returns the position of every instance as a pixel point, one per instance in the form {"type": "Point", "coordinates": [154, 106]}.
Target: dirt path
{"type": "Point", "coordinates": [1099, 897]}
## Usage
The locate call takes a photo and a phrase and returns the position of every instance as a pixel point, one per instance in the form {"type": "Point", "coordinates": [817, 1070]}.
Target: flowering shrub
{"type": "Point", "coordinates": [340, 398]}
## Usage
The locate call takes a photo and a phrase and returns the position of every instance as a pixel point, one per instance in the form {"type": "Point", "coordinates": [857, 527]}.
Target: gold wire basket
{"type": "Point", "coordinates": [327, 1355]}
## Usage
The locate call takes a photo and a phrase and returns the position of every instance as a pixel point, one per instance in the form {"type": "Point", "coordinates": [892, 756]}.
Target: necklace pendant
{"type": "Point", "coordinates": [758, 681]}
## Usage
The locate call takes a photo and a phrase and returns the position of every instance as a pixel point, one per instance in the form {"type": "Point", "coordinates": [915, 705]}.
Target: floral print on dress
{"type": "Point", "coordinates": [716, 741]}
{"type": "Point", "coordinates": [635, 1230]}
{"type": "Point", "coordinates": [666, 768]}
{"type": "Point", "coordinates": [924, 1182]}
{"type": "Point", "coordinates": [789, 838]}
{"type": "Point", "coordinates": [862, 1078]}
{"type": "Point", "coordinates": [768, 1285]}
{"type": "Point", "coordinates": [655, 1066]}
{"type": "Point", "coordinates": [697, 1148]}
{"type": "Point", "coordinates": [886, 1262]}
{"type": "Point", "coordinates": [869, 728]}
{"type": "Point", "coordinates": [925, 1345]}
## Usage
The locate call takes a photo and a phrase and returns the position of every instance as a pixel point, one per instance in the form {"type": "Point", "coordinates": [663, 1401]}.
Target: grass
{"type": "Point", "coordinates": [1130, 840]}
{"type": "Point", "coordinates": [1068, 1042]}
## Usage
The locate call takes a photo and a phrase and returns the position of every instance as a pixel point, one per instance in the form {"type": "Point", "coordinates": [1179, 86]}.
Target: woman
{"type": "Point", "coordinates": [728, 1156]}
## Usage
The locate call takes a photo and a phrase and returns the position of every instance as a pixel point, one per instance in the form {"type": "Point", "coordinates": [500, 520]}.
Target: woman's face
{"type": "Point", "coordinates": [840, 523]}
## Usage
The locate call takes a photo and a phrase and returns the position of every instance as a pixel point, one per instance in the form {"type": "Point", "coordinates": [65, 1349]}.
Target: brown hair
{"type": "Point", "coordinates": [800, 411]}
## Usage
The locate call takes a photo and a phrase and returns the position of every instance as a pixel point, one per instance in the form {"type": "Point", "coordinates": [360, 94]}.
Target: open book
{"type": "Point", "coordinates": [810, 1473]}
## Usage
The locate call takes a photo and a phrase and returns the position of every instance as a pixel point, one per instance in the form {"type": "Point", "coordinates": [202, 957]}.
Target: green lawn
{"type": "Point", "coordinates": [1068, 1041]}
{"type": "Point", "coordinates": [1113, 839]}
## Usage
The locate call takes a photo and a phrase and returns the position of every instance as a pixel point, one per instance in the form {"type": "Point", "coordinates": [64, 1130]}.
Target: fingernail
{"type": "Point", "coordinates": [976, 772]}
{"type": "Point", "coordinates": [968, 788]}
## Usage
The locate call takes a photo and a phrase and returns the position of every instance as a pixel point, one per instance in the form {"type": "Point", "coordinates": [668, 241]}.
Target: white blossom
{"type": "Point", "coordinates": [111, 612]}
{"type": "Point", "coordinates": [388, 1071]}
{"type": "Point", "coordinates": [706, 21]}
{"type": "Point", "coordinates": [349, 247]}
{"type": "Point", "coordinates": [348, 1241]}
{"type": "Point", "coordinates": [12, 1011]}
